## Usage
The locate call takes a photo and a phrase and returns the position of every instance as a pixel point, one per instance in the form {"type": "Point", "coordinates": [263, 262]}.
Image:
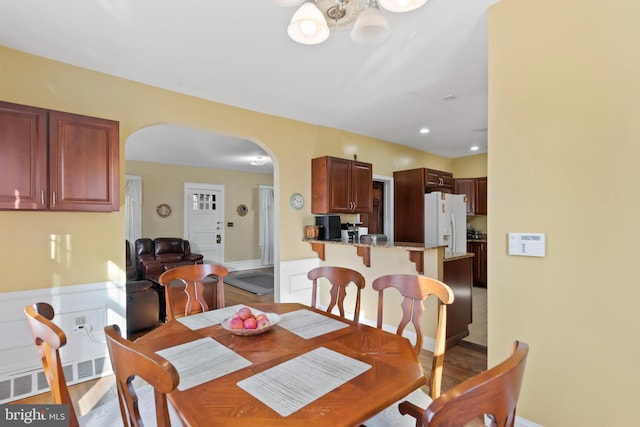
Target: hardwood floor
{"type": "Point", "coordinates": [461, 362]}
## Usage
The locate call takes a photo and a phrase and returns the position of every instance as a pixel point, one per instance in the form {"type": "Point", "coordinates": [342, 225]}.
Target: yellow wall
{"type": "Point", "coordinates": [165, 184]}
{"type": "Point", "coordinates": [564, 103]}
{"type": "Point", "coordinates": [91, 243]}
{"type": "Point", "coordinates": [469, 166]}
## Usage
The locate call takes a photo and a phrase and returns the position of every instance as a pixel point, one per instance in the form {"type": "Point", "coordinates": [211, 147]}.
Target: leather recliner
{"type": "Point", "coordinates": [154, 257]}
{"type": "Point", "coordinates": [143, 302]}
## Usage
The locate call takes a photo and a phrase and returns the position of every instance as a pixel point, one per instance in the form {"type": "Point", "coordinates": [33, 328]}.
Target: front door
{"type": "Point", "coordinates": [204, 220]}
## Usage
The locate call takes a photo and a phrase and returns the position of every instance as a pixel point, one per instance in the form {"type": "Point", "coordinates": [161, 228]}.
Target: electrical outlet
{"type": "Point", "coordinates": [81, 320]}
{"type": "Point", "coordinates": [80, 329]}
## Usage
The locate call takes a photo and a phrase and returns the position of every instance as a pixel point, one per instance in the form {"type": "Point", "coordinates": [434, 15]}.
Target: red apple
{"type": "Point", "coordinates": [261, 316]}
{"type": "Point", "coordinates": [250, 323]}
{"type": "Point", "coordinates": [236, 323]}
{"type": "Point", "coordinates": [263, 322]}
{"type": "Point", "coordinates": [244, 313]}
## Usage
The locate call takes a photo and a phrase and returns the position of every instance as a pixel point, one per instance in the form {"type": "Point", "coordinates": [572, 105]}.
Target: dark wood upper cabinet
{"type": "Point", "coordinates": [466, 186]}
{"type": "Point", "coordinates": [408, 192]}
{"type": "Point", "coordinates": [476, 191]}
{"type": "Point", "coordinates": [341, 186]}
{"type": "Point", "coordinates": [58, 161]}
{"type": "Point", "coordinates": [436, 180]}
{"type": "Point", "coordinates": [23, 157]}
{"type": "Point", "coordinates": [481, 196]}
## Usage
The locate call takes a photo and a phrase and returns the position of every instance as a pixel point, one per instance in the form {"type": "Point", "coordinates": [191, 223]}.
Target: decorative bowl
{"type": "Point", "coordinates": [273, 319]}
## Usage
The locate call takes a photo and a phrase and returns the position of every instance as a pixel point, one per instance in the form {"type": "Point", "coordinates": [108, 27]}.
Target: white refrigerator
{"type": "Point", "coordinates": [445, 218]}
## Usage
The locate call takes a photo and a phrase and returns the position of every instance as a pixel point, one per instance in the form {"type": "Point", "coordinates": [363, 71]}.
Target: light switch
{"type": "Point", "coordinates": [527, 244]}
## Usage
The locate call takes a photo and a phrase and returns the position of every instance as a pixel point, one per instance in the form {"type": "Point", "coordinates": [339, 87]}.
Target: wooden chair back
{"type": "Point", "coordinates": [49, 338]}
{"type": "Point", "coordinates": [415, 289]}
{"type": "Point", "coordinates": [493, 392]}
{"type": "Point", "coordinates": [190, 299]}
{"type": "Point", "coordinates": [129, 361]}
{"type": "Point", "coordinates": [339, 278]}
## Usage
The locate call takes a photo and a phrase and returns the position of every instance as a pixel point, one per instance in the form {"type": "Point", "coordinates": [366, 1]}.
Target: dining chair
{"type": "Point", "coordinates": [49, 338]}
{"type": "Point", "coordinates": [192, 299]}
{"type": "Point", "coordinates": [129, 361]}
{"type": "Point", "coordinates": [339, 278]}
{"type": "Point", "coordinates": [415, 289]}
{"type": "Point", "coordinates": [493, 392]}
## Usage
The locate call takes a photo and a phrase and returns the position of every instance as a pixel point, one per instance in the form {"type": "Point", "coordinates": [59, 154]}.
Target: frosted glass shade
{"type": "Point", "coordinates": [371, 27]}
{"type": "Point", "coordinates": [288, 3]}
{"type": "Point", "coordinates": [308, 25]}
{"type": "Point", "coordinates": [401, 5]}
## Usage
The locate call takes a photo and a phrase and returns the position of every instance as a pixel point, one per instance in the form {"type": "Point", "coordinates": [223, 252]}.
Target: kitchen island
{"type": "Point", "coordinates": [373, 261]}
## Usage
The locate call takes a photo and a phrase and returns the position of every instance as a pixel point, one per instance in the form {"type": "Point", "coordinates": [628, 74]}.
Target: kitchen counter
{"type": "Point", "coordinates": [416, 251]}
{"type": "Point", "coordinates": [457, 255]}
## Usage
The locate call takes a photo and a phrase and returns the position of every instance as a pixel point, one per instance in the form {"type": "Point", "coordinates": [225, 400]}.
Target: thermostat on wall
{"type": "Point", "coordinates": [527, 244]}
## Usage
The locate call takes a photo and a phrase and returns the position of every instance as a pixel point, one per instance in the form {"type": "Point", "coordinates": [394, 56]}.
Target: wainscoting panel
{"type": "Point", "coordinates": [84, 357]}
{"type": "Point", "coordinates": [294, 285]}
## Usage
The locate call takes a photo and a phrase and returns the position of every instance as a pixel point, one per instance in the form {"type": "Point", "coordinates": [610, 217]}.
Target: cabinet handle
{"type": "Point", "coordinates": [42, 198]}
{"type": "Point", "coordinates": [53, 199]}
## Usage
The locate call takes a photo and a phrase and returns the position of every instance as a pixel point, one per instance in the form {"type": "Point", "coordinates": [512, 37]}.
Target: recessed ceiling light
{"type": "Point", "coordinates": [474, 148]}
{"type": "Point", "coordinates": [258, 161]}
{"type": "Point", "coordinates": [449, 98]}
{"type": "Point", "coordinates": [424, 130]}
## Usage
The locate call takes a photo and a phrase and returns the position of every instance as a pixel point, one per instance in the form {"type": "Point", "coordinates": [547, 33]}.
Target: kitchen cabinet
{"type": "Point", "coordinates": [57, 161]}
{"type": "Point", "coordinates": [479, 250]}
{"type": "Point", "coordinates": [457, 274]}
{"type": "Point", "coordinates": [476, 191]}
{"type": "Point", "coordinates": [341, 186]}
{"type": "Point", "coordinates": [410, 187]}
{"type": "Point", "coordinates": [438, 181]}
{"type": "Point", "coordinates": [466, 186]}
{"type": "Point", "coordinates": [481, 196]}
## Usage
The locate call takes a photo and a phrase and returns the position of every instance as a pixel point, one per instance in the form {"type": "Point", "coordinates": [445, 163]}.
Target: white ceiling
{"type": "Point", "coordinates": [237, 52]}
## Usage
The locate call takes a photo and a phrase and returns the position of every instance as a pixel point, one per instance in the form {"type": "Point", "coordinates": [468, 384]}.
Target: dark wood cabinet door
{"type": "Point", "coordinates": [481, 196]}
{"type": "Point", "coordinates": [84, 168]}
{"type": "Point", "coordinates": [446, 180]}
{"type": "Point", "coordinates": [432, 178]}
{"type": "Point", "coordinates": [479, 250]}
{"type": "Point", "coordinates": [409, 188]}
{"type": "Point", "coordinates": [361, 187]}
{"type": "Point", "coordinates": [23, 157]}
{"type": "Point", "coordinates": [458, 275]}
{"type": "Point", "coordinates": [466, 186]}
{"type": "Point", "coordinates": [339, 184]}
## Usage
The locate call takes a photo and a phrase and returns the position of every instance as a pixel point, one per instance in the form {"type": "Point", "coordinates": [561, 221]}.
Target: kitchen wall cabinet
{"type": "Point", "coordinates": [479, 250]}
{"type": "Point", "coordinates": [476, 192]}
{"type": "Point", "coordinates": [410, 187]}
{"type": "Point", "coordinates": [341, 186]}
{"type": "Point", "coordinates": [52, 160]}
{"type": "Point", "coordinates": [438, 181]}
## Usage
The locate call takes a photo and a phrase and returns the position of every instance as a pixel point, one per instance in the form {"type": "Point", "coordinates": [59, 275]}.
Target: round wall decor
{"type": "Point", "coordinates": [242, 210]}
{"type": "Point", "coordinates": [296, 201]}
{"type": "Point", "coordinates": [163, 210]}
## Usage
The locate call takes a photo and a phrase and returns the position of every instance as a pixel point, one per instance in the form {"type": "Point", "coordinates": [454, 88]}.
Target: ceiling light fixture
{"type": "Point", "coordinates": [258, 161]}
{"type": "Point", "coordinates": [424, 130]}
{"type": "Point", "coordinates": [474, 148]}
{"type": "Point", "coordinates": [313, 21]}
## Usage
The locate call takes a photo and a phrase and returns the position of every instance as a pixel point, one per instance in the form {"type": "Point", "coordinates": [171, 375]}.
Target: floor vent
{"type": "Point", "coordinates": [26, 384]}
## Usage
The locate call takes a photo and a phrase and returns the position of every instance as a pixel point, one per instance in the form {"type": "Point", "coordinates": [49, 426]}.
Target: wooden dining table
{"type": "Point", "coordinates": [379, 368]}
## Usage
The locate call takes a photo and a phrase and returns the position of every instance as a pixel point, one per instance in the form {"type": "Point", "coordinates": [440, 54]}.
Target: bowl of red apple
{"type": "Point", "coordinates": [245, 322]}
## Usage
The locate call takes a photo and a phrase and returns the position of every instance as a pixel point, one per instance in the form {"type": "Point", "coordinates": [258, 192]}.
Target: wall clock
{"type": "Point", "coordinates": [163, 210]}
{"type": "Point", "coordinates": [242, 210]}
{"type": "Point", "coordinates": [296, 201]}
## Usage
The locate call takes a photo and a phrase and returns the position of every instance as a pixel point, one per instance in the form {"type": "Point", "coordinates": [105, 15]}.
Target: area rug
{"type": "Point", "coordinates": [256, 282]}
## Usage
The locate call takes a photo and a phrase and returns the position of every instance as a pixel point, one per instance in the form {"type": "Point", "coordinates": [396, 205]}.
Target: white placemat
{"type": "Point", "coordinates": [309, 324]}
{"type": "Point", "coordinates": [202, 360]}
{"type": "Point", "coordinates": [294, 384]}
{"type": "Point", "coordinates": [213, 317]}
